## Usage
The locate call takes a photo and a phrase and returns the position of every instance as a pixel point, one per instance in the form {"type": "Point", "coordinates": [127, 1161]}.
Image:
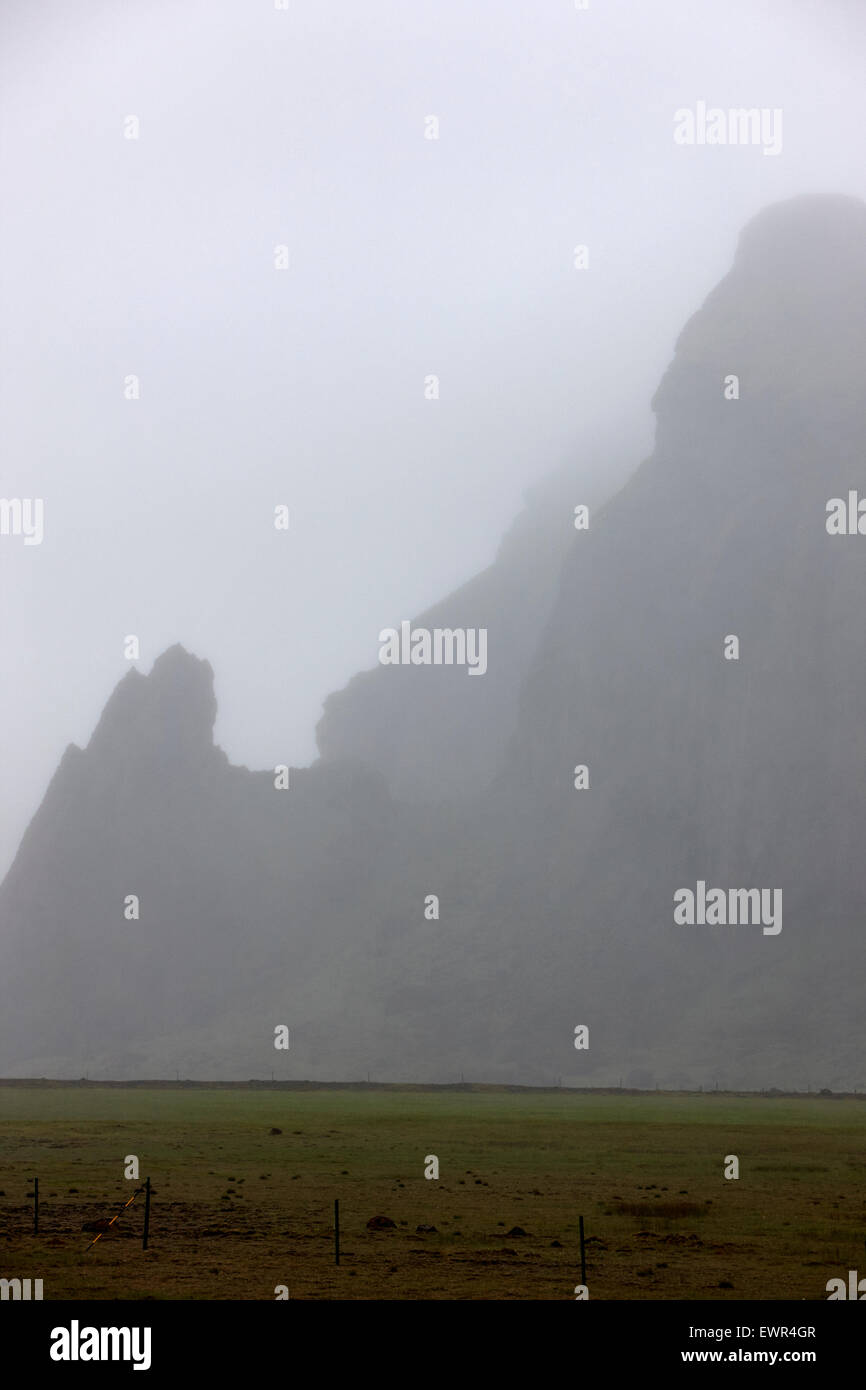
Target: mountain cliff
{"type": "Point", "coordinates": [435, 735]}
{"type": "Point", "coordinates": [734, 764]}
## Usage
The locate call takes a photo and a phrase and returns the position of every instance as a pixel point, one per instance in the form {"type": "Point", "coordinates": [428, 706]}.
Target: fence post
{"type": "Point", "coordinates": [146, 1214]}
{"type": "Point", "coordinates": [582, 1255]}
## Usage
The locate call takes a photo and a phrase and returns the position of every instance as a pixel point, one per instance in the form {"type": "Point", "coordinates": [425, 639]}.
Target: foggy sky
{"type": "Point", "coordinates": [407, 257]}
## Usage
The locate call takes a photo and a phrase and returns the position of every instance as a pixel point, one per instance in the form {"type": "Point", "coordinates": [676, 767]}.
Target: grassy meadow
{"type": "Point", "coordinates": [237, 1210]}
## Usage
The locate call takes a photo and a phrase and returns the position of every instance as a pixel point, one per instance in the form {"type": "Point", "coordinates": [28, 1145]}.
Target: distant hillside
{"type": "Point", "coordinates": [306, 906]}
{"type": "Point", "coordinates": [434, 734]}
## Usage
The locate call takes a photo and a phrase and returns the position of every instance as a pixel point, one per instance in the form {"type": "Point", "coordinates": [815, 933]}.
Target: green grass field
{"type": "Point", "coordinates": [238, 1211]}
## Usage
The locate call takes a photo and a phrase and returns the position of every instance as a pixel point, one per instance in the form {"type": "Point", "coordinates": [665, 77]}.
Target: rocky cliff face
{"type": "Point", "coordinates": [433, 734]}
{"type": "Point", "coordinates": [556, 903]}
{"type": "Point", "coordinates": [245, 893]}
{"type": "Point", "coordinates": [742, 773]}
